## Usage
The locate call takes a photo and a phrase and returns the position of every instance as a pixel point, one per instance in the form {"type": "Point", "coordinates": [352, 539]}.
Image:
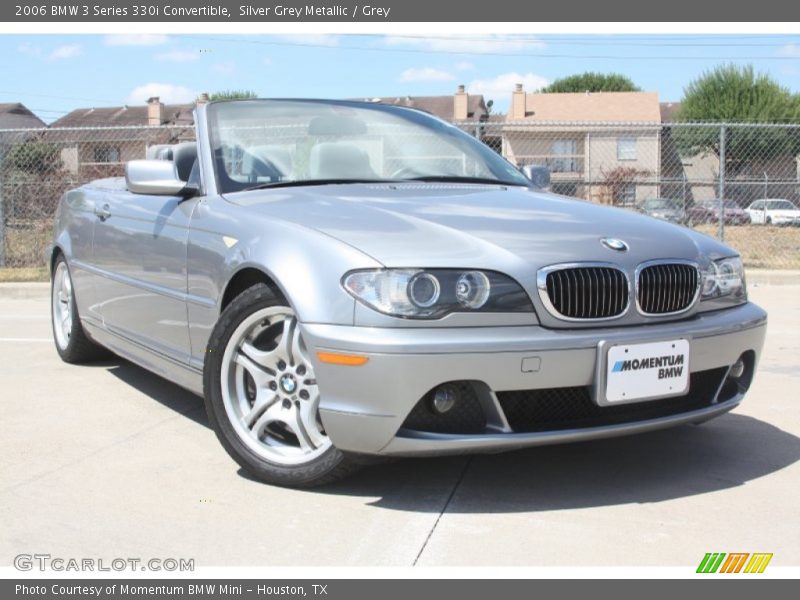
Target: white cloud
{"type": "Point", "coordinates": [475, 44]}
{"type": "Point", "coordinates": [67, 51]}
{"type": "Point", "coordinates": [144, 39]}
{"type": "Point", "coordinates": [311, 39]}
{"type": "Point", "coordinates": [29, 49]}
{"type": "Point", "coordinates": [167, 92]}
{"type": "Point", "coordinates": [499, 89]}
{"type": "Point", "coordinates": [178, 56]}
{"type": "Point", "coordinates": [791, 50]}
{"type": "Point", "coordinates": [425, 74]}
{"type": "Point", "coordinates": [464, 66]}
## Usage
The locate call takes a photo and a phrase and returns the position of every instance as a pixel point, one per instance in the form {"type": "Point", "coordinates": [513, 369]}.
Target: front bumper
{"type": "Point", "coordinates": [363, 408]}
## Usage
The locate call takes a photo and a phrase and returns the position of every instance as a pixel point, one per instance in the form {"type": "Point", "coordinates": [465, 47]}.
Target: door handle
{"type": "Point", "coordinates": [102, 212]}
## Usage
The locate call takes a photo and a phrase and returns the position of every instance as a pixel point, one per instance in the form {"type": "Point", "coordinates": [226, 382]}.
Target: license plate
{"type": "Point", "coordinates": [647, 371]}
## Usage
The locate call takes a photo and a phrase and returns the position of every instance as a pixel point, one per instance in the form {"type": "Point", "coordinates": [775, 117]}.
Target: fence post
{"type": "Point", "coordinates": [721, 193]}
{"type": "Point", "coordinates": [2, 213]}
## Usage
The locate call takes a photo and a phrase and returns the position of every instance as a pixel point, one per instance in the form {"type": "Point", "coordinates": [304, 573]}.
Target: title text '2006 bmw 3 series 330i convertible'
{"type": "Point", "coordinates": [342, 279]}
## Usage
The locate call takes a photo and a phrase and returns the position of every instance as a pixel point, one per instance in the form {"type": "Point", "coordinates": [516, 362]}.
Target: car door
{"type": "Point", "coordinates": [139, 252]}
{"type": "Point", "coordinates": [756, 212]}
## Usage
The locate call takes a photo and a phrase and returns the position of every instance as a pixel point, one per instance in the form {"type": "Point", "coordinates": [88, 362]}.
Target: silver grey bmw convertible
{"type": "Point", "coordinates": [342, 280]}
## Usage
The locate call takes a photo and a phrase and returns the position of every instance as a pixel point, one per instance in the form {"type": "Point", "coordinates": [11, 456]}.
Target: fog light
{"type": "Point", "coordinates": [737, 370]}
{"type": "Point", "coordinates": [444, 399]}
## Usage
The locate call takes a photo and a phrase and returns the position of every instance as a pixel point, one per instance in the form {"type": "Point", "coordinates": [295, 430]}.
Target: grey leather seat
{"type": "Point", "coordinates": [184, 156]}
{"type": "Point", "coordinates": [339, 160]}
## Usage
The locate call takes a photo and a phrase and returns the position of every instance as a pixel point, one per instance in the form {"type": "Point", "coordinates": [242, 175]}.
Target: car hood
{"type": "Point", "coordinates": [480, 226]}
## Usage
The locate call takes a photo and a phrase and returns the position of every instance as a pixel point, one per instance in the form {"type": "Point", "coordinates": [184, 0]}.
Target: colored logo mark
{"type": "Point", "coordinates": [734, 562]}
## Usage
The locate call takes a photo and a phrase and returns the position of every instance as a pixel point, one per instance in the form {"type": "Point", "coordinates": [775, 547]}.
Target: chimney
{"type": "Point", "coordinates": [517, 103]}
{"type": "Point", "coordinates": [203, 98]}
{"type": "Point", "coordinates": [460, 104]}
{"type": "Point", "coordinates": [155, 111]}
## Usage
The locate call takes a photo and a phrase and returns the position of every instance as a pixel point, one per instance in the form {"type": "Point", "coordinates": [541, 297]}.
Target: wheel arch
{"type": "Point", "coordinates": [245, 278]}
{"type": "Point", "coordinates": [55, 252]}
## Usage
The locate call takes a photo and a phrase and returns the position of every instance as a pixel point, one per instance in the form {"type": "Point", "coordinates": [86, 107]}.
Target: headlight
{"type": "Point", "coordinates": [434, 293]}
{"type": "Point", "coordinates": [724, 278]}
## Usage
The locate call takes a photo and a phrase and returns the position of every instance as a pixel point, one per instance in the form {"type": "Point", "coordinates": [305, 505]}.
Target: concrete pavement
{"type": "Point", "coordinates": [108, 460]}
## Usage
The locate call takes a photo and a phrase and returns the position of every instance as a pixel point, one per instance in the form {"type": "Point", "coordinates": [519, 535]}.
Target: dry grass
{"type": "Point", "coordinates": [27, 245]}
{"type": "Point", "coordinates": [762, 246]}
{"type": "Point", "coordinates": [18, 274]}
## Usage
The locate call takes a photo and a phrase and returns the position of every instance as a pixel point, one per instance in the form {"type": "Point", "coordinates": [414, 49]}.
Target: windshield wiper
{"type": "Point", "coordinates": [460, 179]}
{"type": "Point", "coordinates": [302, 182]}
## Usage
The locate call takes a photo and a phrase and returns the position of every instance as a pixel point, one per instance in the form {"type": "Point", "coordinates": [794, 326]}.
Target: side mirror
{"type": "Point", "coordinates": [539, 175]}
{"type": "Point", "coordinates": [157, 178]}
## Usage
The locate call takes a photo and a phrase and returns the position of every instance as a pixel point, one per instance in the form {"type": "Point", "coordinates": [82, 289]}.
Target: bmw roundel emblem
{"type": "Point", "coordinates": [614, 244]}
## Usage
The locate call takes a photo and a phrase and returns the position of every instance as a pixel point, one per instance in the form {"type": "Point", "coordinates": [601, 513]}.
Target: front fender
{"type": "Point", "coordinates": [305, 264]}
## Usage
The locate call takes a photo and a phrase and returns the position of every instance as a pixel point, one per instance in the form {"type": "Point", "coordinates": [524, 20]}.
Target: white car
{"type": "Point", "coordinates": [774, 212]}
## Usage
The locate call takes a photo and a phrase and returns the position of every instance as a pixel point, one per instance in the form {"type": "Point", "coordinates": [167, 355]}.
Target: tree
{"type": "Point", "coordinates": [616, 182]}
{"type": "Point", "coordinates": [592, 82]}
{"type": "Point", "coordinates": [232, 95]}
{"type": "Point", "coordinates": [734, 94]}
{"type": "Point", "coordinates": [34, 157]}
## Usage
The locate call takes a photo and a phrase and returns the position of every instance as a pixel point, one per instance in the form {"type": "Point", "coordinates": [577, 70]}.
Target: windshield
{"type": "Point", "coordinates": [265, 143]}
{"type": "Point", "coordinates": [780, 205]}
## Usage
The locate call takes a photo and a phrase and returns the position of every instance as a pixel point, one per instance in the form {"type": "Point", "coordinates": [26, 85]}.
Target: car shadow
{"type": "Point", "coordinates": [683, 461]}
{"type": "Point", "coordinates": [653, 467]}
{"type": "Point", "coordinates": [159, 389]}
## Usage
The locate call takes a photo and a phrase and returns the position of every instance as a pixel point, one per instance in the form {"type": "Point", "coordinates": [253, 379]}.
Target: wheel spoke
{"type": "Point", "coordinates": [266, 359]}
{"type": "Point", "coordinates": [298, 354]}
{"type": "Point", "coordinates": [294, 421]}
{"type": "Point", "coordinates": [285, 343]}
{"type": "Point", "coordinates": [262, 402]}
{"type": "Point", "coordinates": [66, 284]}
{"type": "Point", "coordinates": [260, 374]}
{"type": "Point", "coordinates": [268, 416]}
{"type": "Point", "coordinates": [308, 415]}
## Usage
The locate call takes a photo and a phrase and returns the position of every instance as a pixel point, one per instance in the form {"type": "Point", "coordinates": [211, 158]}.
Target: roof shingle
{"type": "Point", "coordinates": [14, 115]}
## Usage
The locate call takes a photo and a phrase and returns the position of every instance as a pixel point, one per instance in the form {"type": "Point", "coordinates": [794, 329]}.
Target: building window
{"type": "Point", "coordinates": [106, 154]}
{"type": "Point", "coordinates": [565, 189]}
{"type": "Point", "coordinates": [564, 159]}
{"type": "Point", "coordinates": [626, 148]}
{"type": "Point", "coordinates": [627, 194]}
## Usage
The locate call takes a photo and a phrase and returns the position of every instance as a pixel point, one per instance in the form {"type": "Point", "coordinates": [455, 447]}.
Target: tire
{"type": "Point", "coordinates": [261, 396]}
{"type": "Point", "coordinates": [768, 221]}
{"type": "Point", "coordinates": [72, 343]}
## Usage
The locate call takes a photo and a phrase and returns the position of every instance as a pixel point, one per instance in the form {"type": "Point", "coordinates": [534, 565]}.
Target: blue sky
{"type": "Point", "coordinates": [53, 74]}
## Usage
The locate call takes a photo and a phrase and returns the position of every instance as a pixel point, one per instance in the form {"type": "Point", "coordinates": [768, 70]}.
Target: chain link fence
{"type": "Point", "coordinates": [38, 165]}
{"type": "Point", "coordinates": [737, 182]}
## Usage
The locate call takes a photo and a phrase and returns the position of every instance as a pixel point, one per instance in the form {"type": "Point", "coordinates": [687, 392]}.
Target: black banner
{"type": "Point", "coordinates": [392, 589]}
{"type": "Point", "coordinates": [292, 11]}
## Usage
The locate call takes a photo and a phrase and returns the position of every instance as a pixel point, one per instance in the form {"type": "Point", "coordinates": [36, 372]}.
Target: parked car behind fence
{"type": "Point", "coordinates": [774, 212]}
{"type": "Point", "coordinates": [664, 209]}
{"type": "Point", "coordinates": [709, 212]}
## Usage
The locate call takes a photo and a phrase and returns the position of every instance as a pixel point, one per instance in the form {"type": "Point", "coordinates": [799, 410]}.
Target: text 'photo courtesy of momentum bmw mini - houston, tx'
{"type": "Point", "coordinates": [344, 280]}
